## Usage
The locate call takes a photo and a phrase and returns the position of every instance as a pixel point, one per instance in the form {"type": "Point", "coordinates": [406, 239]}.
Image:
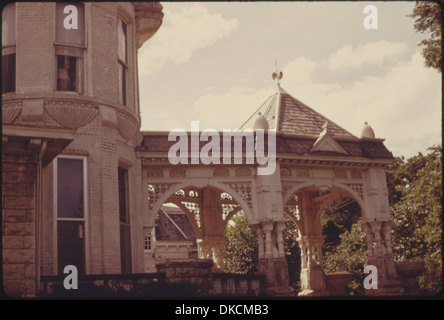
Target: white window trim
{"type": "Point", "coordinates": [153, 240]}
{"type": "Point", "coordinates": [85, 218]}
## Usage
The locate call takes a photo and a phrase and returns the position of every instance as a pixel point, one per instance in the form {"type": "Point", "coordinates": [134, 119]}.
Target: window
{"type": "Point", "coordinates": [125, 230]}
{"type": "Point", "coordinates": [148, 243]}
{"type": "Point", "coordinates": [123, 62]}
{"type": "Point", "coordinates": [8, 48]}
{"type": "Point", "coordinates": [69, 48]}
{"type": "Point", "coordinates": [70, 210]}
{"type": "Point", "coordinates": [8, 73]}
{"type": "Point", "coordinates": [67, 73]}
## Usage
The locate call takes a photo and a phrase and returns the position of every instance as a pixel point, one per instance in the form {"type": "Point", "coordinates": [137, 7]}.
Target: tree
{"type": "Point", "coordinates": [241, 252]}
{"type": "Point", "coordinates": [350, 255]}
{"type": "Point", "coordinates": [292, 252]}
{"type": "Point", "coordinates": [415, 196]}
{"type": "Point", "coordinates": [428, 19]}
{"type": "Point", "coordinates": [417, 214]}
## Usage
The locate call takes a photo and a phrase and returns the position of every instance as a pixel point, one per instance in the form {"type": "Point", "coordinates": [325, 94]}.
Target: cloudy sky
{"type": "Point", "coordinates": [213, 62]}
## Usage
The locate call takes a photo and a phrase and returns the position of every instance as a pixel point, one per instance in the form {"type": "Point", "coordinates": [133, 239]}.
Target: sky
{"type": "Point", "coordinates": [213, 61]}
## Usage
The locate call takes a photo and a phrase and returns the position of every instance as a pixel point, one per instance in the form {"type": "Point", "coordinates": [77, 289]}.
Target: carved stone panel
{"type": "Point", "coordinates": [356, 174]}
{"type": "Point", "coordinates": [71, 114]}
{"type": "Point", "coordinates": [243, 172]}
{"type": "Point", "coordinates": [154, 172]}
{"type": "Point", "coordinates": [221, 172]}
{"type": "Point", "coordinates": [178, 172]}
{"type": "Point", "coordinates": [340, 174]}
{"type": "Point", "coordinates": [285, 172]}
{"type": "Point", "coordinates": [302, 172]}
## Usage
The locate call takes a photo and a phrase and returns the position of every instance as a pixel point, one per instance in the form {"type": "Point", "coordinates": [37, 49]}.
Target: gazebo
{"type": "Point", "coordinates": [317, 163]}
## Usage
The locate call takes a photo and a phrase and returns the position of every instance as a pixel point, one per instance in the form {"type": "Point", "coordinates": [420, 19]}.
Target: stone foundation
{"type": "Point", "coordinates": [19, 174]}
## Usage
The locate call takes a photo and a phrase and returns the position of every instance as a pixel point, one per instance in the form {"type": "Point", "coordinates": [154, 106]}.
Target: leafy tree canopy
{"type": "Point", "coordinates": [428, 19]}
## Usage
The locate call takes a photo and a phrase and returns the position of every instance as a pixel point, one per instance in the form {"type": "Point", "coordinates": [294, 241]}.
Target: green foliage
{"type": "Point", "coordinates": [335, 222]}
{"type": "Point", "coordinates": [350, 255]}
{"type": "Point", "coordinates": [416, 215]}
{"type": "Point", "coordinates": [428, 19]}
{"type": "Point", "coordinates": [241, 250]}
{"type": "Point", "coordinates": [292, 253]}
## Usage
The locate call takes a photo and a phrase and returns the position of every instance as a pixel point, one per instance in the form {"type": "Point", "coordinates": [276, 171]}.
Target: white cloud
{"type": "Point", "coordinates": [373, 53]}
{"type": "Point", "coordinates": [228, 110]}
{"type": "Point", "coordinates": [402, 104]}
{"type": "Point", "coordinates": [182, 33]}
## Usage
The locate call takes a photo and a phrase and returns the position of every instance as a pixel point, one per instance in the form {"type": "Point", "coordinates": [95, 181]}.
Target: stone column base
{"type": "Point", "coordinates": [313, 279]}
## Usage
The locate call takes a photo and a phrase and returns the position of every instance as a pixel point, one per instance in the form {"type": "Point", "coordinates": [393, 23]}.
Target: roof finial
{"type": "Point", "coordinates": [277, 75]}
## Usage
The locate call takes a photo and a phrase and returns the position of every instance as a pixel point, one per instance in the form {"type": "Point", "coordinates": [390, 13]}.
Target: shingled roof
{"type": "Point", "coordinates": [173, 224]}
{"type": "Point", "coordinates": [288, 115]}
{"type": "Point", "coordinates": [299, 129]}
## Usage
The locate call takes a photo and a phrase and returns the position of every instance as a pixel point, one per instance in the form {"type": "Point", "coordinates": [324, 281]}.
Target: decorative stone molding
{"type": "Point", "coordinates": [154, 172]}
{"type": "Point", "coordinates": [285, 172]}
{"type": "Point", "coordinates": [221, 172]}
{"type": "Point", "coordinates": [156, 191]}
{"type": "Point", "coordinates": [242, 172]}
{"type": "Point", "coordinates": [149, 17]}
{"type": "Point", "coordinates": [71, 114]}
{"type": "Point", "coordinates": [127, 125]}
{"type": "Point", "coordinates": [10, 111]}
{"type": "Point", "coordinates": [356, 174]}
{"type": "Point", "coordinates": [178, 172]}
{"type": "Point", "coordinates": [340, 174]}
{"type": "Point", "coordinates": [244, 190]}
{"type": "Point", "coordinates": [302, 172]}
{"type": "Point", "coordinates": [357, 188]}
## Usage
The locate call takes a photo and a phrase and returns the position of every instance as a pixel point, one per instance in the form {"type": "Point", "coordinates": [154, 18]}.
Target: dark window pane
{"type": "Point", "coordinates": [123, 187]}
{"type": "Point", "coordinates": [8, 25]}
{"type": "Point", "coordinates": [122, 84]}
{"type": "Point", "coordinates": [125, 248]}
{"type": "Point", "coordinates": [71, 245]}
{"type": "Point", "coordinates": [66, 73]}
{"type": "Point", "coordinates": [70, 36]}
{"type": "Point", "coordinates": [69, 188]}
{"type": "Point", "coordinates": [8, 73]}
{"type": "Point", "coordinates": [121, 32]}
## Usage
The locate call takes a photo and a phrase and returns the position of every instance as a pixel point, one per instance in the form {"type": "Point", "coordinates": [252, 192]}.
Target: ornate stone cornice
{"type": "Point", "coordinates": [11, 110]}
{"type": "Point", "coordinates": [149, 18]}
{"type": "Point", "coordinates": [127, 124]}
{"type": "Point", "coordinates": [71, 113]}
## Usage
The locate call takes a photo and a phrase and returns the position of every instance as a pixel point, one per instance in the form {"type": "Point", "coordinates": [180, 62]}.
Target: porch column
{"type": "Point", "coordinates": [260, 241]}
{"type": "Point", "coordinates": [218, 253]}
{"type": "Point", "coordinates": [280, 226]}
{"type": "Point", "coordinates": [368, 238]}
{"type": "Point", "coordinates": [268, 227]}
{"type": "Point", "coordinates": [312, 274]}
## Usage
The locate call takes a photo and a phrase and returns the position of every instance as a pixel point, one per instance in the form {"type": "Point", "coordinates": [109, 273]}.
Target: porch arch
{"type": "Point", "coordinates": [342, 186]}
{"type": "Point", "coordinates": [152, 214]}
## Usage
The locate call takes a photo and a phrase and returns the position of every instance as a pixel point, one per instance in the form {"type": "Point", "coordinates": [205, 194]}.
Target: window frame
{"type": "Point", "coordinates": [85, 218]}
{"type": "Point", "coordinates": [11, 48]}
{"type": "Point", "coordinates": [125, 225]}
{"type": "Point", "coordinates": [152, 239]}
{"type": "Point", "coordinates": [123, 99]}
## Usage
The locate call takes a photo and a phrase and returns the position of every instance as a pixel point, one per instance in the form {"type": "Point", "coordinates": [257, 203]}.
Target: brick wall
{"type": "Point", "coordinates": [18, 223]}
{"type": "Point", "coordinates": [32, 76]}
